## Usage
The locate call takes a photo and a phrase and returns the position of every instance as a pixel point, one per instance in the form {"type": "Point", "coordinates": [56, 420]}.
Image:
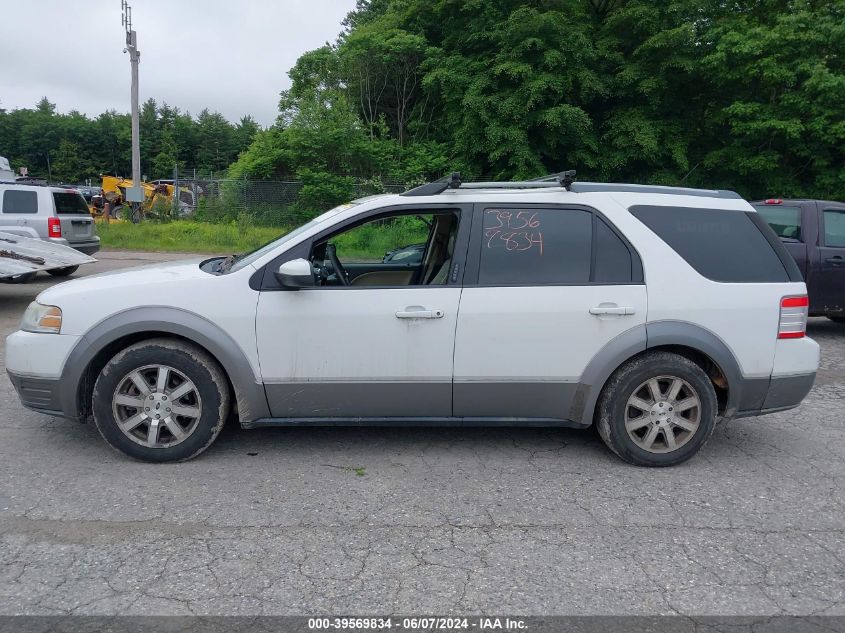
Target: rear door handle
{"type": "Point", "coordinates": [418, 312]}
{"type": "Point", "coordinates": [835, 260]}
{"type": "Point", "coordinates": [612, 309]}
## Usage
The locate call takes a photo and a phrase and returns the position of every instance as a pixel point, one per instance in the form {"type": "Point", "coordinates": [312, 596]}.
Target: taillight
{"type": "Point", "coordinates": [774, 201]}
{"type": "Point", "coordinates": [54, 227]}
{"type": "Point", "coordinates": [793, 317]}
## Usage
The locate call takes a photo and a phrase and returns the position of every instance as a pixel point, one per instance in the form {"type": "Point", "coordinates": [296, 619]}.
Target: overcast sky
{"type": "Point", "coordinates": [227, 55]}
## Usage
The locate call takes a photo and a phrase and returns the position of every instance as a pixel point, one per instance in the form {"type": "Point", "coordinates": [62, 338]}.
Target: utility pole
{"type": "Point", "coordinates": [134, 194]}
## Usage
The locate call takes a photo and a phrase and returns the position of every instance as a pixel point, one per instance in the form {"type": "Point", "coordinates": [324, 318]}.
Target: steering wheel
{"type": "Point", "coordinates": [339, 270]}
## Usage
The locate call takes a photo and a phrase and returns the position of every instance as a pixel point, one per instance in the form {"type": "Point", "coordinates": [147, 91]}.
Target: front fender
{"type": "Point", "coordinates": [249, 391]}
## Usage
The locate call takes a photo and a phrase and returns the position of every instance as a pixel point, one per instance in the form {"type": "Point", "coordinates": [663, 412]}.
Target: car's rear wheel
{"type": "Point", "coordinates": [837, 319]}
{"type": "Point", "coordinates": [161, 400]}
{"type": "Point", "coordinates": [67, 271]}
{"type": "Point", "coordinates": [658, 409]}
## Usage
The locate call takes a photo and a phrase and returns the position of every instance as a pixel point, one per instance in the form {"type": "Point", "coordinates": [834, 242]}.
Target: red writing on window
{"type": "Point", "coordinates": [513, 230]}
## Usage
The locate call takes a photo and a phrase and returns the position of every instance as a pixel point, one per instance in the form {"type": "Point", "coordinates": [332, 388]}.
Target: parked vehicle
{"type": "Point", "coordinates": [88, 192]}
{"type": "Point", "coordinates": [411, 254]}
{"type": "Point", "coordinates": [650, 311]}
{"type": "Point", "coordinates": [6, 172]}
{"type": "Point", "coordinates": [54, 214]}
{"type": "Point", "coordinates": [813, 232]}
{"type": "Point", "coordinates": [157, 195]}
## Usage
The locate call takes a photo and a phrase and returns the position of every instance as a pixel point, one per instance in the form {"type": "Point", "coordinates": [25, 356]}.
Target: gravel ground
{"type": "Point", "coordinates": [364, 521]}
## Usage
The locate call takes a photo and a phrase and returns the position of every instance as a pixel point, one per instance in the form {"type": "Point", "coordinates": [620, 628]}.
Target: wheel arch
{"type": "Point", "coordinates": [692, 341]}
{"type": "Point", "coordinates": [118, 331]}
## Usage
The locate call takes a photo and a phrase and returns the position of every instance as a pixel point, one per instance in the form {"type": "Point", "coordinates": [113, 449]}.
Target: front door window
{"type": "Point", "coordinates": [397, 250]}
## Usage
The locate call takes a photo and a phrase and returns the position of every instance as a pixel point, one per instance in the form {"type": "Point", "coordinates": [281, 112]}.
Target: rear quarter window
{"type": "Point", "coordinates": [70, 203]}
{"type": "Point", "coordinates": [721, 245]}
{"type": "Point", "coordinates": [16, 201]}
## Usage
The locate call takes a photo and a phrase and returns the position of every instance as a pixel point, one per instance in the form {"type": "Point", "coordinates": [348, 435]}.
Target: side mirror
{"type": "Point", "coordinates": [295, 274]}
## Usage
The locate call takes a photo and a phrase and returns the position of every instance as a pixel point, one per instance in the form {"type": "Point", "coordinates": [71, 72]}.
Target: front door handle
{"type": "Point", "coordinates": [835, 260]}
{"type": "Point", "coordinates": [611, 309]}
{"type": "Point", "coordinates": [419, 312]}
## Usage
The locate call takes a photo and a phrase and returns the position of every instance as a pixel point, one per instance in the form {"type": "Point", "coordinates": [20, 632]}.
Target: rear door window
{"type": "Point", "coordinates": [834, 228]}
{"type": "Point", "coordinates": [720, 244]}
{"type": "Point", "coordinates": [785, 221]}
{"type": "Point", "coordinates": [613, 262]}
{"type": "Point", "coordinates": [17, 201]}
{"type": "Point", "coordinates": [552, 246]}
{"type": "Point", "coordinates": [70, 203]}
{"type": "Point", "coordinates": [536, 246]}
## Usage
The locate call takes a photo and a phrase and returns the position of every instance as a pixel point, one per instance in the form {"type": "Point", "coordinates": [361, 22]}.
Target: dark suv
{"type": "Point", "coordinates": [813, 232]}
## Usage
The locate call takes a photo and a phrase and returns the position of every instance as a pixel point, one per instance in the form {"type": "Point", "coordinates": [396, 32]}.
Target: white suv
{"type": "Point", "coordinates": [651, 311]}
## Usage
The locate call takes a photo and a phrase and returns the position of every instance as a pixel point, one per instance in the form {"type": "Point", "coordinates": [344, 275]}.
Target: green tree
{"type": "Point", "coordinates": [167, 158]}
{"type": "Point", "coordinates": [245, 131]}
{"type": "Point", "coordinates": [215, 141]}
{"type": "Point", "coordinates": [70, 165]}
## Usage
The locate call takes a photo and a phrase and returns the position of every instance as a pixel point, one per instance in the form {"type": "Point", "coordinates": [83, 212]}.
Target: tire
{"type": "Point", "coordinates": [195, 383]}
{"type": "Point", "coordinates": [67, 271]}
{"type": "Point", "coordinates": [24, 278]}
{"type": "Point", "coordinates": [836, 319]}
{"type": "Point", "coordinates": [623, 401]}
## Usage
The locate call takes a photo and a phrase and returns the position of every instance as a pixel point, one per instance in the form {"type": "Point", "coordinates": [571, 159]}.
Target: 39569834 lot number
{"type": "Point", "coordinates": [410, 624]}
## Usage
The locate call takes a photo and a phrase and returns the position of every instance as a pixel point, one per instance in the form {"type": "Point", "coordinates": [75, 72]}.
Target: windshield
{"type": "Point", "coordinates": [249, 258]}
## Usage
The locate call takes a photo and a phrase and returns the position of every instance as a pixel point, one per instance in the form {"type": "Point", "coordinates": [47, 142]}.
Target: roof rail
{"type": "Point", "coordinates": [588, 187]}
{"type": "Point", "coordinates": [566, 180]}
{"type": "Point", "coordinates": [26, 184]}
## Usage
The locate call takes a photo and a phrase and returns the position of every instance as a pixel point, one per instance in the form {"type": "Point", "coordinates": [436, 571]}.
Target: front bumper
{"type": "Point", "coordinates": [38, 394]}
{"type": "Point", "coordinates": [35, 363]}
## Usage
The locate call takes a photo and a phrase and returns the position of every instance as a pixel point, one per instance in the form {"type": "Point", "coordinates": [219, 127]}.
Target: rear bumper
{"type": "Point", "coordinates": [38, 394]}
{"type": "Point", "coordinates": [89, 248]}
{"type": "Point", "coordinates": [781, 393]}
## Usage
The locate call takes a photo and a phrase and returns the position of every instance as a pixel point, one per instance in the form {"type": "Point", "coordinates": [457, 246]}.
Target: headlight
{"type": "Point", "coordinates": [41, 318]}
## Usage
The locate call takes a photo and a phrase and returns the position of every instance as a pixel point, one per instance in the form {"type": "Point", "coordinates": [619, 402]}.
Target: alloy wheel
{"type": "Point", "coordinates": [156, 406]}
{"type": "Point", "coordinates": [663, 414]}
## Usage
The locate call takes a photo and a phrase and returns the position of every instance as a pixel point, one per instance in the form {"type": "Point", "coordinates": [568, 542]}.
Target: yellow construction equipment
{"type": "Point", "coordinates": [158, 199]}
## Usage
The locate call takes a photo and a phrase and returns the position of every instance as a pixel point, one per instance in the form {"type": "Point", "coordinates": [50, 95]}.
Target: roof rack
{"type": "Point", "coordinates": [35, 182]}
{"type": "Point", "coordinates": [565, 180]}
{"type": "Point", "coordinates": [436, 187]}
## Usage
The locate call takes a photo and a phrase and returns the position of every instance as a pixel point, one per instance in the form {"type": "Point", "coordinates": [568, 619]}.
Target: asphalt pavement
{"type": "Point", "coordinates": [409, 521]}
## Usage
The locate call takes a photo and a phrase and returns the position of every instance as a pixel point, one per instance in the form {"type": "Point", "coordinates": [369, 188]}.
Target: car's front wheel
{"type": "Point", "coordinates": [161, 400]}
{"type": "Point", "coordinates": [658, 409]}
{"type": "Point", "coordinates": [837, 319]}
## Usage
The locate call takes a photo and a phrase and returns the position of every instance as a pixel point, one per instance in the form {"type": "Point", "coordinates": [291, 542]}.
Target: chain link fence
{"type": "Point", "coordinates": [216, 198]}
